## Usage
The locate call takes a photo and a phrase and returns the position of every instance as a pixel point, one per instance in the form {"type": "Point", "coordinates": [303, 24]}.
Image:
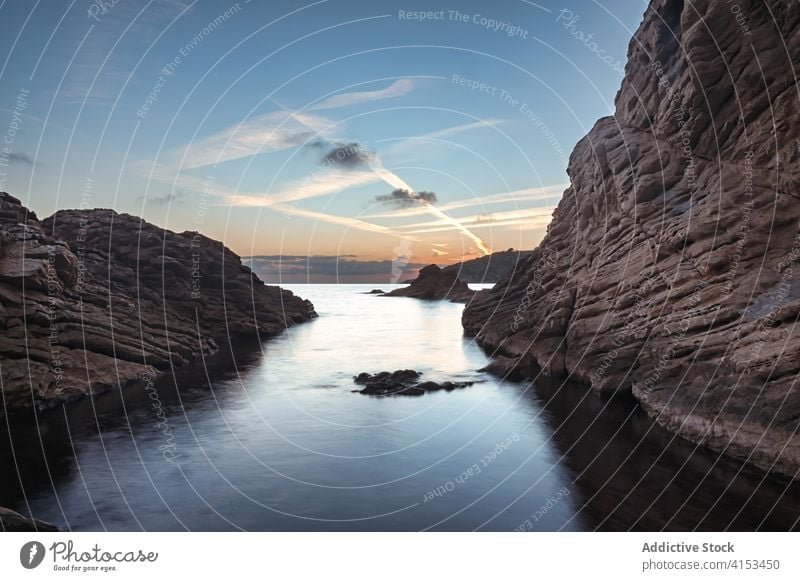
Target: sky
{"type": "Point", "coordinates": [382, 135]}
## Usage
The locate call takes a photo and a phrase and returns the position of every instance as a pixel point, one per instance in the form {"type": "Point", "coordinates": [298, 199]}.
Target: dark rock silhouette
{"type": "Point", "coordinates": [670, 270]}
{"type": "Point", "coordinates": [433, 283]}
{"type": "Point", "coordinates": [402, 382]}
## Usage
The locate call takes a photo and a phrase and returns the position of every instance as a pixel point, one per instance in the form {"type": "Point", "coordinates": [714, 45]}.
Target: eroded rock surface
{"type": "Point", "coordinates": [670, 268]}
{"type": "Point", "coordinates": [93, 299]}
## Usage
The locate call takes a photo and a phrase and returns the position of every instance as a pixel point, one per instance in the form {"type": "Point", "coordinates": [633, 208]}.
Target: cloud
{"type": "Point", "coordinates": [532, 217]}
{"type": "Point", "coordinates": [551, 194]}
{"type": "Point", "coordinates": [167, 199]}
{"type": "Point", "coordinates": [403, 198]}
{"type": "Point", "coordinates": [341, 221]}
{"type": "Point", "coordinates": [415, 142]}
{"type": "Point", "coordinates": [397, 89]}
{"type": "Point", "coordinates": [350, 154]}
{"type": "Point", "coordinates": [270, 132]}
{"type": "Point", "coordinates": [321, 184]}
{"type": "Point", "coordinates": [21, 158]}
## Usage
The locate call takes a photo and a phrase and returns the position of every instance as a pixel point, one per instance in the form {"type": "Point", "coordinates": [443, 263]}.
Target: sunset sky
{"type": "Point", "coordinates": [333, 128]}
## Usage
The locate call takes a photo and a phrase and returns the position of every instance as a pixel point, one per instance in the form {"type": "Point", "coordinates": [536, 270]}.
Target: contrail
{"type": "Point", "coordinates": [396, 181]}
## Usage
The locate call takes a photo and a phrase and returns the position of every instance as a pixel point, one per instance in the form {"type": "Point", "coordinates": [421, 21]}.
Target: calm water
{"type": "Point", "coordinates": [282, 443]}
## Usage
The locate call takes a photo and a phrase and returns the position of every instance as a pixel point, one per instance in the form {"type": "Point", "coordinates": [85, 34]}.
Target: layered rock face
{"type": "Point", "coordinates": [670, 269]}
{"type": "Point", "coordinates": [93, 299]}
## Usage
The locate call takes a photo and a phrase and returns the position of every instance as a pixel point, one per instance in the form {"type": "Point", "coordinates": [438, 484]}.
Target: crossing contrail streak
{"type": "Point", "coordinates": [396, 181]}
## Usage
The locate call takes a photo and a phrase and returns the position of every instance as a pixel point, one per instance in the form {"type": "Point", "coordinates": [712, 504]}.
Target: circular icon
{"type": "Point", "coordinates": [31, 554]}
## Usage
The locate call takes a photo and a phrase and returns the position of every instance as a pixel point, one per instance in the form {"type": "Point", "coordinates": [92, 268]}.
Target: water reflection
{"type": "Point", "coordinates": [277, 441]}
{"type": "Point", "coordinates": [634, 475]}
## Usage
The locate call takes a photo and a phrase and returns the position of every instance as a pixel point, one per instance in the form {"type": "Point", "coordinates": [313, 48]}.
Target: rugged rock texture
{"type": "Point", "coordinates": [670, 267]}
{"type": "Point", "coordinates": [92, 299]}
{"type": "Point", "coordinates": [13, 522]}
{"type": "Point", "coordinates": [490, 268]}
{"type": "Point", "coordinates": [433, 283]}
{"type": "Point", "coordinates": [402, 382]}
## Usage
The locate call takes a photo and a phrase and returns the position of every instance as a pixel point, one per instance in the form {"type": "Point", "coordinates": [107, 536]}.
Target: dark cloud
{"type": "Point", "coordinates": [401, 198]}
{"type": "Point", "coordinates": [346, 155]}
{"type": "Point", "coordinates": [21, 158]}
{"type": "Point", "coordinates": [296, 138]}
{"type": "Point", "coordinates": [292, 268]}
{"type": "Point", "coordinates": [165, 200]}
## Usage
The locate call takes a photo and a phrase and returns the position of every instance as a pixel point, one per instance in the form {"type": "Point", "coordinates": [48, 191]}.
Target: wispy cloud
{"type": "Point", "coordinates": [20, 158]}
{"type": "Point", "coordinates": [532, 216]}
{"type": "Point", "coordinates": [167, 199]}
{"type": "Point", "coordinates": [284, 129]}
{"type": "Point", "coordinates": [322, 184]}
{"type": "Point", "coordinates": [269, 132]}
{"type": "Point", "coordinates": [341, 221]}
{"type": "Point", "coordinates": [405, 144]}
{"type": "Point", "coordinates": [547, 193]}
{"type": "Point", "coordinates": [397, 89]}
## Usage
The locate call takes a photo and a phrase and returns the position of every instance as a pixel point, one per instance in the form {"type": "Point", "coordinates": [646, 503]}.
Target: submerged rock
{"type": "Point", "coordinates": [94, 299]}
{"type": "Point", "coordinates": [433, 283]}
{"type": "Point", "coordinates": [670, 268]}
{"type": "Point", "coordinates": [402, 382]}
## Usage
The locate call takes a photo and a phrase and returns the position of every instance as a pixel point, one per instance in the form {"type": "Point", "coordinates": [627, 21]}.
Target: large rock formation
{"type": "Point", "coordinates": [92, 299]}
{"type": "Point", "coordinates": [670, 267]}
{"type": "Point", "coordinates": [433, 283]}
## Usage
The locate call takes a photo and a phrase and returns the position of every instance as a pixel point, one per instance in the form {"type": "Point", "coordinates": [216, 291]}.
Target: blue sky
{"type": "Point", "coordinates": [218, 117]}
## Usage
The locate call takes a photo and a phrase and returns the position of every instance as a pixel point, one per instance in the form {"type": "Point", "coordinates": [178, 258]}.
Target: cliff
{"type": "Point", "coordinates": [93, 299]}
{"type": "Point", "coordinates": [668, 270]}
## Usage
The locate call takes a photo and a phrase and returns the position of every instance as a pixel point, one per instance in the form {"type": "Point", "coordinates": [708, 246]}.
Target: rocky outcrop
{"type": "Point", "coordinates": [402, 382]}
{"type": "Point", "coordinates": [670, 269]}
{"type": "Point", "coordinates": [490, 268]}
{"type": "Point", "coordinates": [433, 283]}
{"type": "Point", "coordinates": [13, 522]}
{"type": "Point", "coordinates": [93, 299]}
